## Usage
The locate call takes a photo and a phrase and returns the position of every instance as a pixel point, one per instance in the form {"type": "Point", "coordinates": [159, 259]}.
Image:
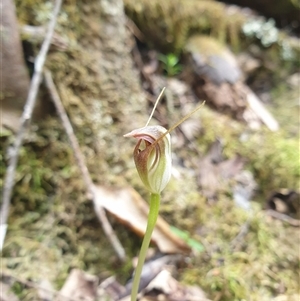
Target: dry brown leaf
{"type": "Point", "coordinates": [165, 287]}
{"type": "Point", "coordinates": [130, 209]}
{"type": "Point", "coordinates": [215, 173]}
{"type": "Point", "coordinates": [110, 289]}
{"type": "Point", "coordinates": [79, 286]}
{"type": "Point", "coordinates": [45, 290]}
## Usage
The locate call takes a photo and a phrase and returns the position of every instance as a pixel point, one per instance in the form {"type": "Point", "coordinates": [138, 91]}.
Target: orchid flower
{"type": "Point", "coordinates": [152, 156]}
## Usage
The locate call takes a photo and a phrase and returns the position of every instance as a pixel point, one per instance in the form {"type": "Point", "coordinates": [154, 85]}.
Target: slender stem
{"type": "Point", "coordinates": [152, 217]}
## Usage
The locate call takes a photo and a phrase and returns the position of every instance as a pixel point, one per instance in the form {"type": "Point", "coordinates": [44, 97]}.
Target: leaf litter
{"type": "Point", "coordinates": [50, 235]}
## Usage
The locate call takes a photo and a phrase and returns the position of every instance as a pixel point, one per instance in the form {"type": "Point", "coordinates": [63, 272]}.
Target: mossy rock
{"type": "Point", "coordinates": [212, 60]}
{"type": "Point", "coordinates": [167, 26]}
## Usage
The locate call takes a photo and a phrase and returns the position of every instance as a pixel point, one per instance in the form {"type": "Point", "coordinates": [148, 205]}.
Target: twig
{"type": "Point", "coordinates": [292, 221]}
{"type": "Point", "coordinates": [25, 119]}
{"type": "Point", "coordinates": [135, 30]}
{"type": "Point", "coordinates": [261, 112]}
{"type": "Point", "coordinates": [83, 168]}
{"type": "Point", "coordinates": [36, 286]}
{"type": "Point", "coordinates": [241, 235]}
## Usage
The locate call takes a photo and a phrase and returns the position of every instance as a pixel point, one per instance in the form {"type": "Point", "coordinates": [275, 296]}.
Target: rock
{"type": "Point", "coordinates": [215, 76]}
{"type": "Point", "coordinates": [213, 60]}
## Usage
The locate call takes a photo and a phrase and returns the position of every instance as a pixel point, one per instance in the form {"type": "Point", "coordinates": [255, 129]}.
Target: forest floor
{"type": "Point", "coordinates": [239, 250]}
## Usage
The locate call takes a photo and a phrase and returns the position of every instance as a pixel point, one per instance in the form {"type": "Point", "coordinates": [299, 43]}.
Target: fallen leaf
{"type": "Point", "coordinates": [111, 289]}
{"type": "Point", "coordinates": [79, 286]}
{"type": "Point", "coordinates": [45, 290]}
{"type": "Point", "coordinates": [130, 209]}
{"type": "Point", "coordinates": [165, 287]}
{"type": "Point", "coordinates": [216, 175]}
{"type": "Point", "coordinates": [150, 270]}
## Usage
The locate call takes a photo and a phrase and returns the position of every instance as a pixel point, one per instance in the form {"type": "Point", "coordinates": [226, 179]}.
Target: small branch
{"type": "Point", "coordinates": [83, 168]}
{"type": "Point", "coordinates": [135, 30]}
{"type": "Point", "coordinates": [241, 235]}
{"type": "Point", "coordinates": [36, 286]}
{"type": "Point", "coordinates": [25, 119]}
{"type": "Point", "coordinates": [292, 221]}
{"type": "Point", "coordinates": [261, 112]}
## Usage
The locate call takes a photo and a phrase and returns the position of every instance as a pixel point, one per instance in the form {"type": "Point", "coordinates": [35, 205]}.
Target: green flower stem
{"type": "Point", "coordinates": [152, 217]}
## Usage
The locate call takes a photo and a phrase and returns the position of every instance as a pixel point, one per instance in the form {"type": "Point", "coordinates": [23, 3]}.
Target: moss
{"type": "Point", "coordinates": [285, 106]}
{"type": "Point", "coordinates": [52, 225]}
{"type": "Point", "coordinates": [272, 157]}
{"type": "Point", "coordinates": [167, 25]}
{"type": "Point", "coordinates": [257, 270]}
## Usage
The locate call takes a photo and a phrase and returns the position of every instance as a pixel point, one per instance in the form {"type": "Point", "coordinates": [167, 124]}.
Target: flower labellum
{"type": "Point", "coordinates": [152, 156]}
